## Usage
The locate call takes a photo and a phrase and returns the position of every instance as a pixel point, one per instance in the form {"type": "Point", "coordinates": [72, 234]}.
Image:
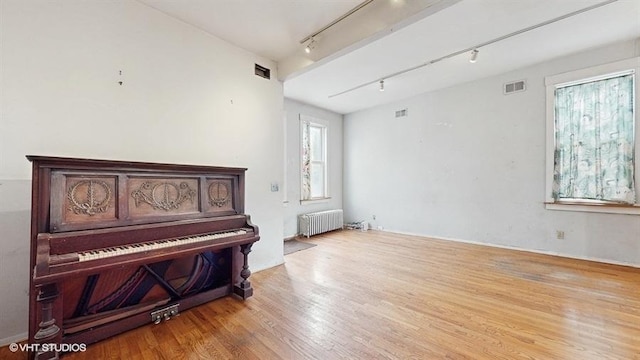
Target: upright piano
{"type": "Point", "coordinates": [116, 245]}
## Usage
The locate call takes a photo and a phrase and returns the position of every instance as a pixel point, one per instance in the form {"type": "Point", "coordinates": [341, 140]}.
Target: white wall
{"type": "Point", "coordinates": [293, 207]}
{"type": "Point", "coordinates": [187, 97]}
{"type": "Point", "coordinates": [468, 163]}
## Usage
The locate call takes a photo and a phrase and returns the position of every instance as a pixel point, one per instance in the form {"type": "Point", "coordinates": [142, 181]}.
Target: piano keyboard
{"type": "Point", "coordinates": [154, 245]}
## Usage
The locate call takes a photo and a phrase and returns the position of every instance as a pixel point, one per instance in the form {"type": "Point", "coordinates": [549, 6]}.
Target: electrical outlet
{"type": "Point", "coordinates": [374, 217]}
{"type": "Point", "coordinates": [559, 234]}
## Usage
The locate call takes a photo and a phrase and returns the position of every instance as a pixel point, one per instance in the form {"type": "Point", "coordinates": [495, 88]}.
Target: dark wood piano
{"type": "Point", "coordinates": [116, 245]}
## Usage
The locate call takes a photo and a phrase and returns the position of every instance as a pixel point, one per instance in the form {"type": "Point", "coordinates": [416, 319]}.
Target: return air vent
{"type": "Point", "coordinates": [402, 113]}
{"type": "Point", "coordinates": [263, 72]}
{"type": "Point", "coordinates": [515, 86]}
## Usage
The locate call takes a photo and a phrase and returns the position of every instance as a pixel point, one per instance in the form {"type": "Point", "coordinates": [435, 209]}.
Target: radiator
{"type": "Point", "coordinates": [319, 222]}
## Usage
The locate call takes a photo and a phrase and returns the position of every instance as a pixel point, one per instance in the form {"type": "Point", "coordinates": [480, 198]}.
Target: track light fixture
{"type": "Point", "coordinates": [310, 46]}
{"type": "Point", "coordinates": [474, 56]}
{"type": "Point", "coordinates": [381, 85]}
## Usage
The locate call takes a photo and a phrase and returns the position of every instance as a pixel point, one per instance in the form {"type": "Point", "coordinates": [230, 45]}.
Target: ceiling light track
{"type": "Point", "coordinates": [347, 14]}
{"type": "Point", "coordinates": [475, 47]}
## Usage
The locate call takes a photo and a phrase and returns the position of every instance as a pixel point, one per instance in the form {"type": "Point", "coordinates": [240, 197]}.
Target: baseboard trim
{"type": "Point", "coordinates": [287, 238]}
{"type": "Point", "coordinates": [14, 339]}
{"type": "Point", "coordinates": [535, 251]}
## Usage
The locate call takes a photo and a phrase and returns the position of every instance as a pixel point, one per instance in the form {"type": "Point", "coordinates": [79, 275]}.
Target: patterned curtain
{"type": "Point", "coordinates": [306, 161]}
{"type": "Point", "coordinates": [594, 124]}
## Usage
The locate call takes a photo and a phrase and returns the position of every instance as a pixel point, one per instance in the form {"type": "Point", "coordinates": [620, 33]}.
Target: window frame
{"type": "Point", "coordinates": [593, 73]}
{"type": "Point", "coordinates": [324, 125]}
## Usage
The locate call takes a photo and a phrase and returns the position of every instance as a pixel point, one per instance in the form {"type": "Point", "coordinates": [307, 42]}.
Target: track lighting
{"type": "Point", "coordinates": [474, 56]}
{"type": "Point", "coordinates": [310, 46]}
{"type": "Point", "coordinates": [473, 49]}
{"type": "Point", "coordinates": [311, 37]}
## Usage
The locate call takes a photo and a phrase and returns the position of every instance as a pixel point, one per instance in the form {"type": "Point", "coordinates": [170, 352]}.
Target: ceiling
{"type": "Point", "coordinates": [387, 37]}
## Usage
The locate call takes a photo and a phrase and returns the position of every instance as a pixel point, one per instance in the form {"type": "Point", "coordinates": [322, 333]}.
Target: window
{"type": "Point", "coordinates": [314, 159]}
{"type": "Point", "coordinates": [591, 136]}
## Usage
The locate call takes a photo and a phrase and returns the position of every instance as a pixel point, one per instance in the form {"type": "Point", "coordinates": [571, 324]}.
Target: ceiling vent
{"type": "Point", "coordinates": [516, 86]}
{"type": "Point", "coordinates": [402, 113]}
{"type": "Point", "coordinates": [262, 72]}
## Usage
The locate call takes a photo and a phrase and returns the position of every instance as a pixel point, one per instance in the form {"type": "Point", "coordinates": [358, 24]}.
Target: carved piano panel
{"type": "Point", "coordinates": [163, 196]}
{"type": "Point", "coordinates": [83, 199]}
{"type": "Point", "coordinates": [116, 245]}
{"type": "Point", "coordinates": [98, 199]}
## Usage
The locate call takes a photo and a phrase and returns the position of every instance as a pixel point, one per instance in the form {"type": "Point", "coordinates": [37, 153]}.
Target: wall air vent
{"type": "Point", "coordinates": [402, 113]}
{"type": "Point", "coordinates": [263, 72]}
{"type": "Point", "coordinates": [516, 86]}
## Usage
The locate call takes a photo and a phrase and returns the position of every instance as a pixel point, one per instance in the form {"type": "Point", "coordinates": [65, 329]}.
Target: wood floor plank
{"type": "Point", "coordinates": [378, 295]}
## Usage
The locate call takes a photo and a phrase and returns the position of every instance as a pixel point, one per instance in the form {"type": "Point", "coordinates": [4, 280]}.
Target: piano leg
{"type": "Point", "coordinates": [244, 289]}
{"type": "Point", "coordinates": [48, 331]}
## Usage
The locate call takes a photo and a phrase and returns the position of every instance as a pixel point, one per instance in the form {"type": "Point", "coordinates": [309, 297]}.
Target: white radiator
{"type": "Point", "coordinates": [319, 222]}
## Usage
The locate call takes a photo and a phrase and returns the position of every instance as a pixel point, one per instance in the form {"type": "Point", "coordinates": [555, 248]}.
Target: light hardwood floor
{"type": "Point", "coordinates": [377, 295]}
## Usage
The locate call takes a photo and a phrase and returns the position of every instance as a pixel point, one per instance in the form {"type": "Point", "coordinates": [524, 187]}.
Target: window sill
{"type": "Point", "coordinates": [315, 201]}
{"type": "Point", "coordinates": [593, 207]}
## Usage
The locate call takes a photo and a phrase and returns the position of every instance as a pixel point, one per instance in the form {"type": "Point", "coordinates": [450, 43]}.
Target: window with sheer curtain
{"type": "Point", "coordinates": [593, 139]}
{"type": "Point", "coordinates": [314, 160]}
